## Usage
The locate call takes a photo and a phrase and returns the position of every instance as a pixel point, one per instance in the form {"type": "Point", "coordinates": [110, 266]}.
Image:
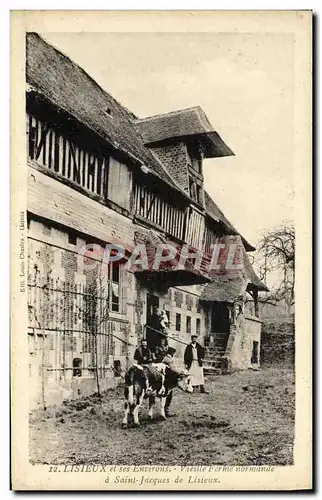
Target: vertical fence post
{"type": "Point", "coordinates": [43, 371]}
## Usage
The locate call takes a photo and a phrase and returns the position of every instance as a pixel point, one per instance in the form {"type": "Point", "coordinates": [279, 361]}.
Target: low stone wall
{"type": "Point", "coordinates": [240, 343]}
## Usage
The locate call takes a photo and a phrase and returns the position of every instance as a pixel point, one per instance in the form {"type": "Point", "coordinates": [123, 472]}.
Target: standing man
{"type": "Point", "coordinates": [193, 358]}
{"type": "Point", "coordinates": [153, 329]}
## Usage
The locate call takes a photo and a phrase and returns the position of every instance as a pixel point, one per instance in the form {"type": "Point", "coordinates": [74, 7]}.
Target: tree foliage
{"type": "Point", "coordinates": [275, 261]}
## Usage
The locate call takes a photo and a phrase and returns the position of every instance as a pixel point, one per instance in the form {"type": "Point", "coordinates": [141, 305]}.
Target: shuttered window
{"type": "Point", "coordinates": [119, 183]}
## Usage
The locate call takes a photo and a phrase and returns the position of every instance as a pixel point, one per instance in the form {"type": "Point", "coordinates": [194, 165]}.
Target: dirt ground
{"type": "Point", "coordinates": [247, 419]}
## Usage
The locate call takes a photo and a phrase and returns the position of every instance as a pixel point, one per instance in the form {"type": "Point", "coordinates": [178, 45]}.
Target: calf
{"type": "Point", "coordinates": [146, 382]}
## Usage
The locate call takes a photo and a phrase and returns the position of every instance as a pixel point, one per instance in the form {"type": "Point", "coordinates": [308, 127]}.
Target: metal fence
{"type": "Point", "coordinates": [70, 333]}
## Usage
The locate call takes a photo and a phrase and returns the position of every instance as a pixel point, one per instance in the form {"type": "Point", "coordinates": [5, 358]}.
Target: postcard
{"type": "Point", "coordinates": [161, 333]}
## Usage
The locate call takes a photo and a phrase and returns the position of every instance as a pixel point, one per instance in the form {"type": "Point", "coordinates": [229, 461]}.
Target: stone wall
{"type": "Point", "coordinates": [278, 343]}
{"type": "Point", "coordinates": [242, 337]}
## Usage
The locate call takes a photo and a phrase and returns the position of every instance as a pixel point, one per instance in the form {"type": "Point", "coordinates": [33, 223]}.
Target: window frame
{"type": "Point", "coordinates": [178, 322]}
{"type": "Point", "coordinates": [188, 323]}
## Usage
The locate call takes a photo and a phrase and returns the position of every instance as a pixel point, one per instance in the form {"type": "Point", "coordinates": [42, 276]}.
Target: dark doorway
{"type": "Point", "coordinates": [254, 359]}
{"type": "Point", "coordinates": [151, 302]}
{"type": "Point", "coordinates": [152, 321]}
{"type": "Point", "coordinates": [219, 318]}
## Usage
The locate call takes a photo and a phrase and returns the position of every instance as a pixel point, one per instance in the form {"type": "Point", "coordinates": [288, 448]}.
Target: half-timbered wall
{"type": "Point", "coordinates": [195, 228]}
{"type": "Point", "coordinates": [156, 209]}
{"type": "Point", "coordinates": [92, 170]}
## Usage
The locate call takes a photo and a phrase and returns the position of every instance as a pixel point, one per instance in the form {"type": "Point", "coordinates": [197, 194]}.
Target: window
{"type": "Point", "coordinates": [72, 238]}
{"type": "Point", "coordinates": [254, 359]}
{"type": "Point", "coordinates": [198, 326]}
{"type": "Point", "coordinates": [195, 191]}
{"type": "Point", "coordinates": [117, 367]}
{"type": "Point", "coordinates": [119, 183]}
{"type": "Point", "coordinates": [189, 302]}
{"type": "Point", "coordinates": [178, 322]}
{"type": "Point", "coordinates": [194, 159]}
{"type": "Point", "coordinates": [199, 195]}
{"type": "Point", "coordinates": [77, 367]}
{"type": "Point", "coordinates": [188, 324]}
{"type": "Point", "coordinates": [114, 271]}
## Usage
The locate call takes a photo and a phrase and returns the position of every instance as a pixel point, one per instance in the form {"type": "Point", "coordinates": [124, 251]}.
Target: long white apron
{"type": "Point", "coordinates": [196, 371]}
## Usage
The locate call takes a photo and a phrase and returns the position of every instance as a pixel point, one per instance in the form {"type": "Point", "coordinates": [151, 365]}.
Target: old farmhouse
{"type": "Point", "coordinates": [97, 175]}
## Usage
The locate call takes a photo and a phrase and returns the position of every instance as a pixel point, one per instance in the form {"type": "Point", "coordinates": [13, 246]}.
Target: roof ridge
{"type": "Point", "coordinates": [125, 114]}
{"type": "Point", "coordinates": [177, 111]}
{"type": "Point", "coordinates": [59, 51]}
{"type": "Point", "coordinates": [226, 221]}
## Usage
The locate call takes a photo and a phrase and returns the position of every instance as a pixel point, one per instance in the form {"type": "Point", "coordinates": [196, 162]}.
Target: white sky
{"type": "Point", "coordinates": [243, 82]}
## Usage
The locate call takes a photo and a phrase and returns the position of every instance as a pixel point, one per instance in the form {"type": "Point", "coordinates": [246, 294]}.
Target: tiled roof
{"type": "Point", "coordinates": [184, 123]}
{"type": "Point", "coordinates": [69, 87]}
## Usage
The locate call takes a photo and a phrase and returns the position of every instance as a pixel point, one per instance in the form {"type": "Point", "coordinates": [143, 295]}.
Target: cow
{"type": "Point", "coordinates": [147, 382]}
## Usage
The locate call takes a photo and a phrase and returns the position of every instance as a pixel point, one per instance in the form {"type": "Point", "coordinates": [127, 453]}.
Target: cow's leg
{"type": "Point", "coordinates": [126, 413]}
{"type": "Point", "coordinates": [162, 412]}
{"type": "Point", "coordinates": [162, 389]}
{"type": "Point", "coordinates": [151, 405]}
{"type": "Point", "coordinates": [168, 403]}
{"type": "Point", "coordinates": [139, 401]}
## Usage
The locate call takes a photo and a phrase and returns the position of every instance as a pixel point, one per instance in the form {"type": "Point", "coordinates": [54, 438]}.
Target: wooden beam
{"type": "Point", "coordinates": [151, 205]}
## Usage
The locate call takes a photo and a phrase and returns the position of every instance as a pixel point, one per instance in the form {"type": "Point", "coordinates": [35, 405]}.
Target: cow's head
{"type": "Point", "coordinates": [184, 382]}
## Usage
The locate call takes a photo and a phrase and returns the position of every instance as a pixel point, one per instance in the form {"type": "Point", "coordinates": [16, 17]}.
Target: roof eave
{"type": "Point", "coordinates": [215, 147]}
{"type": "Point", "coordinates": [247, 245]}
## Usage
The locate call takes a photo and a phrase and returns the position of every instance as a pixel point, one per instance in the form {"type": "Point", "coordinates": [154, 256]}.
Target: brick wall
{"type": "Point", "coordinates": [174, 158]}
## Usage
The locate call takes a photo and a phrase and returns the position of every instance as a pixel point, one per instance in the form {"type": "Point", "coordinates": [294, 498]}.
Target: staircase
{"type": "Point", "coordinates": [214, 352]}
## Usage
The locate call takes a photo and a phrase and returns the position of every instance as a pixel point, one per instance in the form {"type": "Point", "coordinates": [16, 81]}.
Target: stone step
{"type": "Point", "coordinates": [213, 364]}
{"type": "Point", "coordinates": [211, 372]}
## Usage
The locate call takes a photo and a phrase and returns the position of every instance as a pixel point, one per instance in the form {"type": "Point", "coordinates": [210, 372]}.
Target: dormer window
{"type": "Point", "coordinates": [194, 159]}
{"type": "Point", "coordinates": [195, 191]}
{"type": "Point", "coordinates": [194, 163]}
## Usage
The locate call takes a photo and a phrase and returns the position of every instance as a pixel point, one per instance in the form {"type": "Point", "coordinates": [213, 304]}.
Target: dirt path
{"type": "Point", "coordinates": [247, 419]}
